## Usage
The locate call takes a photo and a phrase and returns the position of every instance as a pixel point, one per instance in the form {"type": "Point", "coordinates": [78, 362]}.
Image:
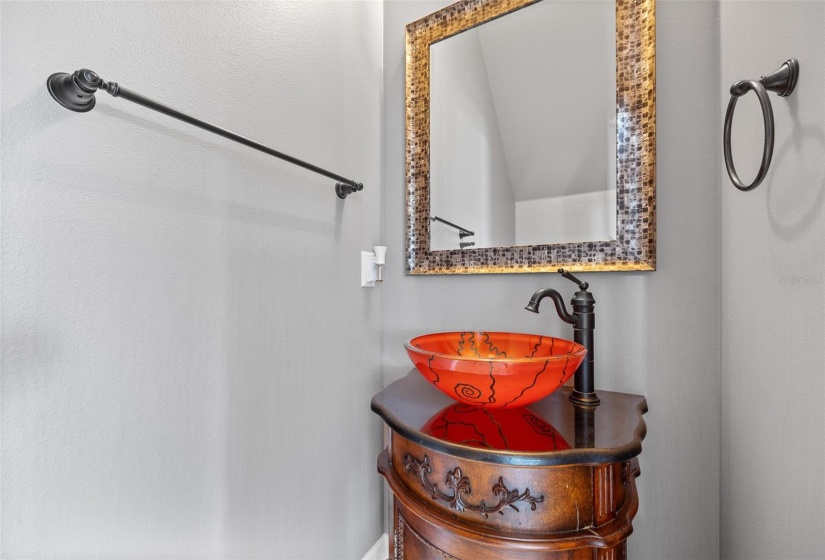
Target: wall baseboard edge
{"type": "Point", "coordinates": [379, 549]}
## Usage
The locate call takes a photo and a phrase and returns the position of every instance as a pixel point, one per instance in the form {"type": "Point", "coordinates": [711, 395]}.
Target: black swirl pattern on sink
{"type": "Point", "coordinates": [492, 386]}
{"type": "Point", "coordinates": [494, 349]}
{"type": "Point", "coordinates": [537, 346]}
{"type": "Point", "coordinates": [470, 340]}
{"type": "Point", "coordinates": [493, 370]}
{"type": "Point", "coordinates": [467, 391]}
{"type": "Point", "coordinates": [533, 384]}
{"type": "Point", "coordinates": [430, 365]}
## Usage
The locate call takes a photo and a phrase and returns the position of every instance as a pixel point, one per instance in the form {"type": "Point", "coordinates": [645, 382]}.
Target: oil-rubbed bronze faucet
{"type": "Point", "coordinates": [583, 320]}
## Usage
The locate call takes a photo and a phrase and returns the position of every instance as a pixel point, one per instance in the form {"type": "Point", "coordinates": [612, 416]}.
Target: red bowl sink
{"type": "Point", "coordinates": [495, 369]}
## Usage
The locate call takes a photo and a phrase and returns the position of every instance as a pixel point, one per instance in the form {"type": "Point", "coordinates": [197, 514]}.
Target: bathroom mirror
{"type": "Point", "coordinates": [531, 137]}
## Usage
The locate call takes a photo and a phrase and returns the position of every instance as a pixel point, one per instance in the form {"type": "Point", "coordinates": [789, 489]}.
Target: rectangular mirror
{"type": "Point", "coordinates": [531, 137]}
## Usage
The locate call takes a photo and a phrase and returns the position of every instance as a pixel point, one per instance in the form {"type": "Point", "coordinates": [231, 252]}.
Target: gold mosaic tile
{"type": "Point", "coordinates": [635, 246]}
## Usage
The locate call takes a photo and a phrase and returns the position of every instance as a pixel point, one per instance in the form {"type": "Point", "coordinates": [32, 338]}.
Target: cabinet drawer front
{"type": "Point", "coordinates": [541, 500]}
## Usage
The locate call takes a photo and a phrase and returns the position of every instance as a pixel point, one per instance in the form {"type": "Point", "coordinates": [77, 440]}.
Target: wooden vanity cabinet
{"type": "Point", "coordinates": [550, 481]}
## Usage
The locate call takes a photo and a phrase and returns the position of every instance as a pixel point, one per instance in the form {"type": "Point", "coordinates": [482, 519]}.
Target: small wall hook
{"type": "Point", "coordinates": [782, 82]}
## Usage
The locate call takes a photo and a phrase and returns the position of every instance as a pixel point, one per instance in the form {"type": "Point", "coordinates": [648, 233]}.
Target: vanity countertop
{"type": "Point", "coordinates": [550, 432]}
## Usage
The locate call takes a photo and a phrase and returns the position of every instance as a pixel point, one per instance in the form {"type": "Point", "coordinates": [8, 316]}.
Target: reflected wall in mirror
{"type": "Point", "coordinates": [528, 147]}
{"type": "Point", "coordinates": [522, 147]}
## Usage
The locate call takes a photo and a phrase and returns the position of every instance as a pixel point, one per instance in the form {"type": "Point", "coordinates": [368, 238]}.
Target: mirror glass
{"type": "Point", "coordinates": [523, 129]}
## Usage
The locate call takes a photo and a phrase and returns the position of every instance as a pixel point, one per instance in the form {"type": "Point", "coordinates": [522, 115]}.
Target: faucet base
{"type": "Point", "coordinates": [585, 399]}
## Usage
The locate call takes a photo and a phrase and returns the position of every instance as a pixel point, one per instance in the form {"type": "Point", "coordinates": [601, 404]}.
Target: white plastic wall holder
{"type": "Point", "coordinates": [367, 269]}
{"type": "Point", "coordinates": [372, 265]}
{"type": "Point", "coordinates": [380, 256]}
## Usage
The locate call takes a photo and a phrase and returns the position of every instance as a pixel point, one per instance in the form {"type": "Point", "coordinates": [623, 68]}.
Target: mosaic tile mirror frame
{"type": "Point", "coordinates": [635, 245]}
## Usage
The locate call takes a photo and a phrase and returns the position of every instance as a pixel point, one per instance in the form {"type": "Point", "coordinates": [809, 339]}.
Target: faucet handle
{"type": "Point", "coordinates": [582, 285]}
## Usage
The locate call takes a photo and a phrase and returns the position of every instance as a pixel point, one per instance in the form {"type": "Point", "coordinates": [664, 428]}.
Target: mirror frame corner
{"type": "Point", "coordinates": [635, 245]}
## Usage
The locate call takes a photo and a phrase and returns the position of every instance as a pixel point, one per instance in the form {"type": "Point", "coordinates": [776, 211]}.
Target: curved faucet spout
{"type": "Point", "coordinates": [583, 320]}
{"type": "Point", "coordinates": [557, 299]}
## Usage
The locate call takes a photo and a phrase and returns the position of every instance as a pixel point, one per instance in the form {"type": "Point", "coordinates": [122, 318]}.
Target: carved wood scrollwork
{"type": "Point", "coordinates": [399, 543]}
{"type": "Point", "coordinates": [399, 539]}
{"type": "Point", "coordinates": [625, 473]}
{"type": "Point", "coordinates": [460, 486]}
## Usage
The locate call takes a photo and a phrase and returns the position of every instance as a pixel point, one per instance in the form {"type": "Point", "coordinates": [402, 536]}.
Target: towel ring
{"type": "Point", "coordinates": [782, 82]}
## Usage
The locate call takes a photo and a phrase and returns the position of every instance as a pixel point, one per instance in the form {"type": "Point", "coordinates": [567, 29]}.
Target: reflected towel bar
{"type": "Point", "coordinates": [462, 232]}
{"type": "Point", "coordinates": [76, 92]}
{"type": "Point", "coordinates": [782, 82]}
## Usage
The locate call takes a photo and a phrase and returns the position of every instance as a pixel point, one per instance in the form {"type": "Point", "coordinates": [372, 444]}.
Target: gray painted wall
{"type": "Point", "coordinates": [773, 287]}
{"type": "Point", "coordinates": [179, 378]}
{"type": "Point", "coordinates": [658, 333]}
{"type": "Point", "coordinates": [163, 290]}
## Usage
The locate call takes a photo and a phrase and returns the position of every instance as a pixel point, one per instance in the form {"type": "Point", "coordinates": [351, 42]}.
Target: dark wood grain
{"type": "Point", "coordinates": [609, 433]}
{"type": "Point", "coordinates": [452, 502]}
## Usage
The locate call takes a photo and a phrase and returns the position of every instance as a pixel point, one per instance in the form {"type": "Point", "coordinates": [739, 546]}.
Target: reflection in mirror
{"type": "Point", "coordinates": [523, 128]}
{"type": "Point", "coordinates": [573, 161]}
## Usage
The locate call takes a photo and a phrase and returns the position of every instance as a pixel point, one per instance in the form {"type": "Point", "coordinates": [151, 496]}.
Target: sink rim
{"type": "Point", "coordinates": [574, 352]}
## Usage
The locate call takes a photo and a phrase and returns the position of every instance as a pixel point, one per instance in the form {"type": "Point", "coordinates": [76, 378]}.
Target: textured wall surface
{"type": "Point", "coordinates": [657, 332]}
{"type": "Point", "coordinates": [773, 287]}
{"type": "Point", "coordinates": [164, 291]}
{"type": "Point", "coordinates": [188, 357]}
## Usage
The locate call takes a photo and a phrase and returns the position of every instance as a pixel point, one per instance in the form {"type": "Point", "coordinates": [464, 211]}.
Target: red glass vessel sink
{"type": "Point", "coordinates": [495, 369]}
